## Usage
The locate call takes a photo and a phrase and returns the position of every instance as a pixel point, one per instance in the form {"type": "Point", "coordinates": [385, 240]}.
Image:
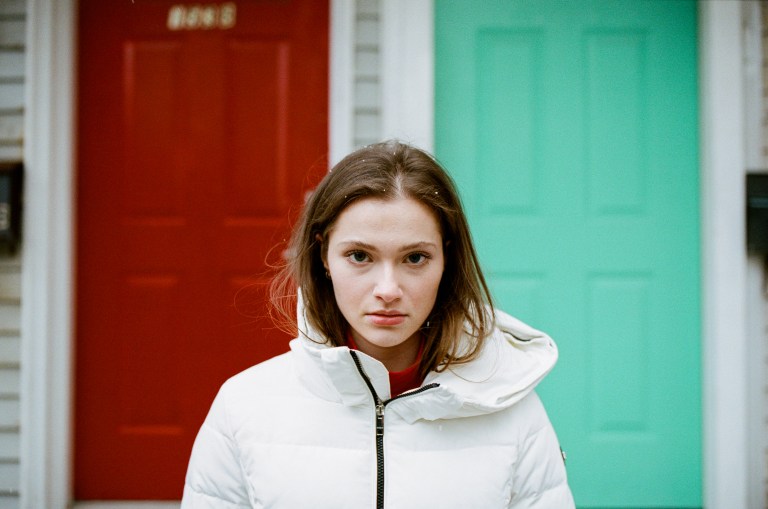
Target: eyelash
{"type": "Point", "coordinates": [424, 258]}
{"type": "Point", "coordinates": [351, 256]}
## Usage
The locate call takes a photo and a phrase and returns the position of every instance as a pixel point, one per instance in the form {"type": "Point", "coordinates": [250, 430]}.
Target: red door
{"type": "Point", "coordinates": [198, 126]}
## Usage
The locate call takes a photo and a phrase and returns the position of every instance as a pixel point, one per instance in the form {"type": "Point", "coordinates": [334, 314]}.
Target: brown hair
{"type": "Point", "coordinates": [387, 171]}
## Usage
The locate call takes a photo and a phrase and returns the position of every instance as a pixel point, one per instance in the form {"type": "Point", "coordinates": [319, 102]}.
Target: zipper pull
{"type": "Point", "coordinates": [379, 419]}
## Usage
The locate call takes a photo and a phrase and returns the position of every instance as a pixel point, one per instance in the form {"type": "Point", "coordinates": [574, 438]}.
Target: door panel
{"type": "Point", "coordinates": [200, 126]}
{"type": "Point", "coordinates": [571, 130]}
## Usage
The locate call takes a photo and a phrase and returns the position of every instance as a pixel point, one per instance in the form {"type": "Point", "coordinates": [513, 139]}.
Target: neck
{"type": "Point", "coordinates": [394, 358]}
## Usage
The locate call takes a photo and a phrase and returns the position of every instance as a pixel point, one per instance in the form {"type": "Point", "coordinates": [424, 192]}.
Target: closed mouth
{"type": "Point", "coordinates": [386, 318]}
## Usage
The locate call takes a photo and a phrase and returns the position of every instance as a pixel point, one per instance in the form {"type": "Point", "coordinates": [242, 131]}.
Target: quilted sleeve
{"type": "Point", "coordinates": [214, 477]}
{"type": "Point", "coordinates": [540, 480]}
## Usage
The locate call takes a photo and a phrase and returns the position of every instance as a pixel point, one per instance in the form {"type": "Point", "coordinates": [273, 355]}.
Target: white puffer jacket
{"type": "Point", "coordinates": [300, 432]}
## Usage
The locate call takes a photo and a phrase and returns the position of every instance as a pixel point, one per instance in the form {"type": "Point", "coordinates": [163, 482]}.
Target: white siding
{"type": "Point", "coordinates": [764, 15]}
{"type": "Point", "coordinates": [764, 307]}
{"type": "Point", "coordinates": [11, 78]}
{"type": "Point", "coordinates": [367, 74]}
{"type": "Point", "coordinates": [12, 29]}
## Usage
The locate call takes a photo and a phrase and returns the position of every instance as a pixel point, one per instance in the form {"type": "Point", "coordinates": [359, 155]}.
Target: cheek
{"type": "Point", "coordinates": [346, 287]}
{"type": "Point", "coordinates": [431, 287]}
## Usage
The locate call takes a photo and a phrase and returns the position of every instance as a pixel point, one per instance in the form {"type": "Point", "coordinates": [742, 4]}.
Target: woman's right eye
{"type": "Point", "coordinates": [358, 256]}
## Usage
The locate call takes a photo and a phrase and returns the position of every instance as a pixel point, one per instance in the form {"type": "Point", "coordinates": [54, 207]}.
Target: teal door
{"type": "Point", "coordinates": [571, 128]}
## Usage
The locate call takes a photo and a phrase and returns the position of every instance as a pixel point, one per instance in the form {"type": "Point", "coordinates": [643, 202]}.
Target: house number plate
{"type": "Point", "coordinates": [202, 16]}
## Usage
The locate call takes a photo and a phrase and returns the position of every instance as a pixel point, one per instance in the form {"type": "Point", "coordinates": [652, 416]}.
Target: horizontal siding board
{"type": "Point", "coordinates": [367, 32]}
{"type": "Point", "coordinates": [362, 142]}
{"type": "Point", "coordinates": [10, 349]}
{"type": "Point", "coordinates": [367, 94]}
{"type": "Point", "coordinates": [12, 32]}
{"type": "Point", "coordinates": [9, 502]}
{"type": "Point", "coordinates": [10, 283]}
{"type": "Point", "coordinates": [10, 264]}
{"type": "Point", "coordinates": [11, 97]}
{"type": "Point", "coordinates": [368, 7]}
{"type": "Point", "coordinates": [11, 130]}
{"type": "Point", "coordinates": [9, 476]}
{"type": "Point", "coordinates": [11, 64]}
{"type": "Point", "coordinates": [9, 382]}
{"type": "Point", "coordinates": [12, 8]}
{"type": "Point", "coordinates": [10, 316]}
{"type": "Point", "coordinates": [367, 63]}
{"type": "Point", "coordinates": [9, 413]}
{"type": "Point", "coordinates": [367, 125]}
{"type": "Point", "coordinates": [9, 445]}
{"type": "Point", "coordinates": [11, 153]}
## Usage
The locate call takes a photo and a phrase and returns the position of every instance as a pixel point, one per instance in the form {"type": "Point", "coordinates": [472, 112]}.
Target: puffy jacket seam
{"type": "Point", "coordinates": [231, 437]}
{"type": "Point", "coordinates": [208, 495]}
{"type": "Point", "coordinates": [334, 447]}
{"type": "Point", "coordinates": [512, 484]}
{"type": "Point", "coordinates": [532, 434]}
{"type": "Point", "coordinates": [515, 501]}
{"type": "Point", "coordinates": [551, 486]}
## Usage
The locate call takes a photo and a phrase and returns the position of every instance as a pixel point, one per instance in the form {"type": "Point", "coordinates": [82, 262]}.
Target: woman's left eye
{"type": "Point", "coordinates": [416, 258]}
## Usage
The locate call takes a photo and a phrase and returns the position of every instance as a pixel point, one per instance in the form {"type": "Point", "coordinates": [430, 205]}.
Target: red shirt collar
{"type": "Point", "coordinates": [400, 381]}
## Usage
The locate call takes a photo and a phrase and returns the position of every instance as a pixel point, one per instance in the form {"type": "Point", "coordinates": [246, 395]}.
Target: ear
{"type": "Point", "coordinates": [319, 239]}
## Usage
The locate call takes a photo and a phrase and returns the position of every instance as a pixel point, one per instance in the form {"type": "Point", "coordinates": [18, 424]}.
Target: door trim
{"type": "Point", "coordinates": [47, 299]}
{"type": "Point", "coordinates": [341, 109]}
{"type": "Point", "coordinates": [47, 269]}
{"type": "Point", "coordinates": [407, 71]}
{"type": "Point", "coordinates": [757, 321]}
{"type": "Point", "coordinates": [724, 261]}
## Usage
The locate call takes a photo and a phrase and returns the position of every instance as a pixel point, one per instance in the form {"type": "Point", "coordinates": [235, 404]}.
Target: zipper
{"type": "Point", "coordinates": [380, 405]}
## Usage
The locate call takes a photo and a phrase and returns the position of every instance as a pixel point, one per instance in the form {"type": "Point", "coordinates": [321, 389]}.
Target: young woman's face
{"type": "Point", "coordinates": [385, 260]}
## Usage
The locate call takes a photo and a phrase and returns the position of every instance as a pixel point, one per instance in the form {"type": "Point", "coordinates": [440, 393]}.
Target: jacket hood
{"type": "Point", "coordinates": [513, 360]}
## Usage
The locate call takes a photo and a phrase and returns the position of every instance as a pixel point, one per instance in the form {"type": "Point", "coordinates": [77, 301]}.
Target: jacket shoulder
{"type": "Point", "coordinates": [272, 373]}
{"type": "Point", "coordinates": [530, 413]}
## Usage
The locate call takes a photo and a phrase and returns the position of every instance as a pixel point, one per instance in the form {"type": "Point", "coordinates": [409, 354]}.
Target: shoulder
{"type": "Point", "coordinates": [261, 388]}
{"type": "Point", "coordinates": [528, 415]}
{"type": "Point", "coordinates": [275, 367]}
{"type": "Point", "coordinates": [268, 376]}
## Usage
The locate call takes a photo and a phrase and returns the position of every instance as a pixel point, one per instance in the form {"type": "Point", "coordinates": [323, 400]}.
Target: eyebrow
{"type": "Point", "coordinates": [371, 247]}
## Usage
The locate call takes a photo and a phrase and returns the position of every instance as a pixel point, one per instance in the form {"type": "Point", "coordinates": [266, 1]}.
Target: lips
{"type": "Point", "coordinates": [386, 318]}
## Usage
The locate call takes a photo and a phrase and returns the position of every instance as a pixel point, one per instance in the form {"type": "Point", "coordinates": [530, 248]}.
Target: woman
{"type": "Point", "coordinates": [404, 387]}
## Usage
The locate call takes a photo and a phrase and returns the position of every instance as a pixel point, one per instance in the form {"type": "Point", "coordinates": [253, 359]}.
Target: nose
{"type": "Point", "coordinates": [387, 286]}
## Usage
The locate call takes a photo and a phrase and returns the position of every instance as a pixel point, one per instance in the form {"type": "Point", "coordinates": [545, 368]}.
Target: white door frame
{"type": "Point", "coordinates": [49, 240]}
{"type": "Point", "coordinates": [47, 255]}
{"type": "Point", "coordinates": [725, 336]}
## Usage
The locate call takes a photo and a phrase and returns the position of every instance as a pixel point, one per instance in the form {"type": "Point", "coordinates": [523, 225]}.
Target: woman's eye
{"type": "Point", "coordinates": [358, 256]}
{"type": "Point", "coordinates": [416, 258]}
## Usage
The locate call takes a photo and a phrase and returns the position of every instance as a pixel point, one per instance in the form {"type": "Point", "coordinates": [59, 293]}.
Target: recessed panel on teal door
{"type": "Point", "coordinates": [571, 129]}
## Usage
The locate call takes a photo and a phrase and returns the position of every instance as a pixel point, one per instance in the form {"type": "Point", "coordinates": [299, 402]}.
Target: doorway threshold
{"type": "Point", "coordinates": [125, 504]}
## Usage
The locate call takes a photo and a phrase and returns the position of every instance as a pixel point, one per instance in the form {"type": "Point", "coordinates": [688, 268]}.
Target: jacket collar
{"type": "Point", "coordinates": [512, 362]}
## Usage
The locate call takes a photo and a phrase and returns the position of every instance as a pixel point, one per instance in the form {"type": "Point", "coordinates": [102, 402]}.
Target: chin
{"type": "Point", "coordinates": [386, 340]}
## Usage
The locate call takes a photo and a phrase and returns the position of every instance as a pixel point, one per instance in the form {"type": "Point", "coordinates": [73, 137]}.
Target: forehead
{"type": "Point", "coordinates": [378, 219]}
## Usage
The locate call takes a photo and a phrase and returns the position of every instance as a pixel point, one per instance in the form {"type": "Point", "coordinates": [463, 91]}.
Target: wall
{"type": "Point", "coordinates": [12, 36]}
{"type": "Point", "coordinates": [756, 33]}
{"type": "Point", "coordinates": [763, 307]}
{"type": "Point", "coordinates": [764, 20]}
{"type": "Point", "coordinates": [367, 69]}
